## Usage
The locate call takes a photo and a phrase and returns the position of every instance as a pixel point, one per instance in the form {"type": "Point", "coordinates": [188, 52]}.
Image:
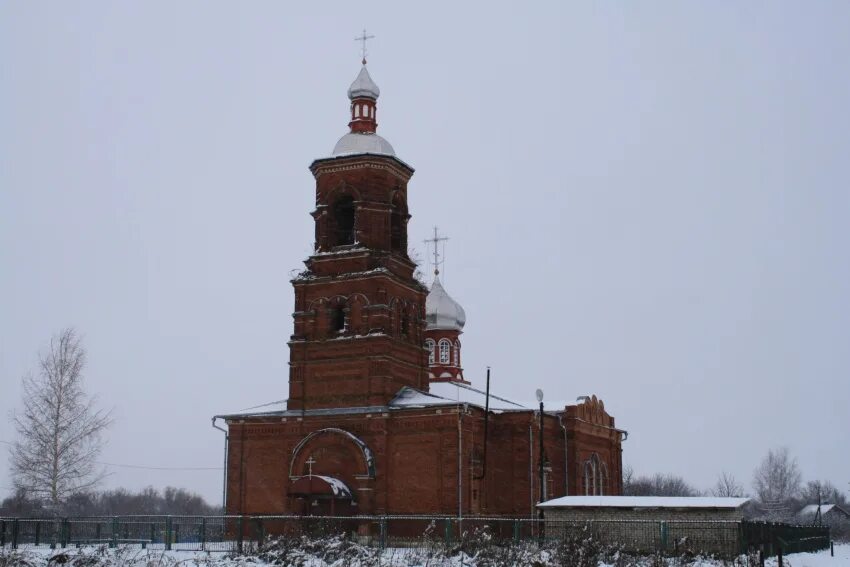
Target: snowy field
{"type": "Point", "coordinates": [363, 557]}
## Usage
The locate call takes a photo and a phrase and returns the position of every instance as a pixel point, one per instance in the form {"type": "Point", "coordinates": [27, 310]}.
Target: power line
{"type": "Point", "coordinates": [160, 468]}
{"type": "Point", "coordinates": [144, 467]}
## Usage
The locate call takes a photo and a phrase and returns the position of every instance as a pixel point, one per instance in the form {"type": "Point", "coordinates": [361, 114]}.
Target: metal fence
{"type": "Point", "coordinates": [250, 533]}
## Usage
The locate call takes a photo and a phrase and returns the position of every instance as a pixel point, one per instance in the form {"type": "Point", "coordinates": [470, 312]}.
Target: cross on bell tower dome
{"type": "Point", "coordinates": [363, 94]}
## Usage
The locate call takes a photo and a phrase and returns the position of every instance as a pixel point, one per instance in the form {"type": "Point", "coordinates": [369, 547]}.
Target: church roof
{"type": "Point", "coordinates": [439, 394]}
{"type": "Point", "coordinates": [363, 86]}
{"type": "Point", "coordinates": [452, 393]}
{"type": "Point", "coordinates": [441, 311]}
{"type": "Point", "coordinates": [362, 143]}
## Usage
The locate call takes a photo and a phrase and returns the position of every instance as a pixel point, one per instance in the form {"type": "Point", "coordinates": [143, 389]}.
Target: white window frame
{"type": "Point", "coordinates": [445, 346]}
{"type": "Point", "coordinates": [432, 350]}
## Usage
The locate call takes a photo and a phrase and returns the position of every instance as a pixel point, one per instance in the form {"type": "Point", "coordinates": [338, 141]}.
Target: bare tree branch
{"type": "Point", "coordinates": [60, 432]}
{"type": "Point", "coordinates": [727, 486]}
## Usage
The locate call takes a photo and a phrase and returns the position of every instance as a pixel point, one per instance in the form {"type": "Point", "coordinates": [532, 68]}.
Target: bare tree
{"type": "Point", "coordinates": [628, 478]}
{"type": "Point", "coordinates": [727, 486]}
{"type": "Point", "coordinates": [658, 485]}
{"type": "Point", "coordinates": [60, 429]}
{"type": "Point", "coordinates": [823, 491]}
{"type": "Point", "coordinates": [777, 482]}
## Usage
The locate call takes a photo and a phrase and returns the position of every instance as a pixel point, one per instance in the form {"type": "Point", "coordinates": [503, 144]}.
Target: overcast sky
{"type": "Point", "coordinates": [646, 201]}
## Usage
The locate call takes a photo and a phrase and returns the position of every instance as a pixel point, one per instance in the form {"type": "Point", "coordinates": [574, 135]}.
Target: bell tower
{"type": "Point", "coordinates": [359, 312]}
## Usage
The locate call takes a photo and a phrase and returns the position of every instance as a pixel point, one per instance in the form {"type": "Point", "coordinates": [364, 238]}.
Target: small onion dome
{"type": "Point", "coordinates": [362, 143]}
{"type": "Point", "coordinates": [441, 311]}
{"type": "Point", "coordinates": [363, 86]}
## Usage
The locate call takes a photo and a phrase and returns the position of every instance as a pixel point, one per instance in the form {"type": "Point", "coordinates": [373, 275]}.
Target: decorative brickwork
{"type": "Point", "coordinates": [359, 338]}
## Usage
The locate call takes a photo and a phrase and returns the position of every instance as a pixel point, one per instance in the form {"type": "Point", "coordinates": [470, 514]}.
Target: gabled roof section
{"type": "Point", "coordinates": [810, 510]}
{"type": "Point", "coordinates": [450, 394]}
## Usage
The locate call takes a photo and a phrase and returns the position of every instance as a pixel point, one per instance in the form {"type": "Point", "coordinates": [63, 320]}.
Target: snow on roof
{"type": "Point", "coordinates": [271, 407]}
{"type": "Point", "coordinates": [451, 393]}
{"type": "Point", "coordinates": [337, 486]}
{"type": "Point", "coordinates": [644, 502]}
{"type": "Point", "coordinates": [439, 394]}
{"type": "Point", "coordinates": [355, 143]}
{"type": "Point", "coordinates": [812, 509]}
{"type": "Point", "coordinates": [278, 409]}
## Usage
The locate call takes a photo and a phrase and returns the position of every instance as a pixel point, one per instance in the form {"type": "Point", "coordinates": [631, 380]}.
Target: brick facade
{"type": "Point", "coordinates": [359, 337]}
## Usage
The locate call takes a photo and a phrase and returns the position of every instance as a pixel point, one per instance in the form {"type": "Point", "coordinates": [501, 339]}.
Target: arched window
{"type": "Point", "coordinates": [430, 345]}
{"type": "Point", "coordinates": [404, 324]}
{"type": "Point", "coordinates": [595, 476]}
{"type": "Point", "coordinates": [343, 217]}
{"type": "Point", "coordinates": [356, 111]}
{"type": "Point", "coordinates": [457, 354]}
{"type": "Point", "coordinates": [338, 319]}
{"type": "Point", "coordinates": [398, 218]}
{"type": "Point", "coordinates": [594, 463]}
{"type": "Point", "coordinates": [445, 351]}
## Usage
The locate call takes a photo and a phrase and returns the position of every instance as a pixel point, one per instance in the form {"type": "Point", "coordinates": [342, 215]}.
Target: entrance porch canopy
{"type": "Point", "coordinates": [320, 486]}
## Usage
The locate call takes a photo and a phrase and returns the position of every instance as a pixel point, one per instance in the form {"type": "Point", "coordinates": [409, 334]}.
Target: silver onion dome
{"type": "Point", "coordinates": [441, 311]}
{"type": "Point", "coordinates": [363, 86]}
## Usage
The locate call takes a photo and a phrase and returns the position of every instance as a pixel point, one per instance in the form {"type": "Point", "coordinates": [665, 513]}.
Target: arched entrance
{"type": "Point", "coordinates": [331, 473]}
{"type": "Point", "coordinates": [321, 495]}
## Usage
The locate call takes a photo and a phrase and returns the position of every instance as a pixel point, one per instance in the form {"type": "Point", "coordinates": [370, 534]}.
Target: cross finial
{"type": "Point", "coordinates": [363, 38]}
{"type": "Point", "coordinates": [310, 462]}
{"type": "Point", "coordinates": [435, 241]}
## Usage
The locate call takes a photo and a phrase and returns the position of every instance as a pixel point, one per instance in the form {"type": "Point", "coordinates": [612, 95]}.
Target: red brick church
{"type": "Point", "coordinates": [380, 419]}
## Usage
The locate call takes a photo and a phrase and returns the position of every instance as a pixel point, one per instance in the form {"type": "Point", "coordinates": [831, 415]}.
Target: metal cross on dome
{"type": "Point", "coordinates": [310, 462]}
{"type": "Point", "coordinates": [363, 38]}
{"type": "Point", "coordinates": [435, 241]}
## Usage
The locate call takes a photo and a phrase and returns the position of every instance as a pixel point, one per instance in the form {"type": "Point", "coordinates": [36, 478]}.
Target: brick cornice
{"type": "Point", "coordinates": [363, 161]}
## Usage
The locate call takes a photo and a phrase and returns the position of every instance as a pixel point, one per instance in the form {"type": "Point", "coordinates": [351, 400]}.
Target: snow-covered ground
{"type": "Point", "coordinates": [821, 559]}
{"type": "Point", "coordinates": [135, 557]}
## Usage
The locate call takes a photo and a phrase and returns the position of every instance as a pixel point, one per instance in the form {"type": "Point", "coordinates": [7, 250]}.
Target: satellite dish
{"type": "Point", "coordinates": [539, 395]}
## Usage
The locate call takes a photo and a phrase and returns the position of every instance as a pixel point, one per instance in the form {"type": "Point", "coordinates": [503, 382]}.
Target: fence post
{"type": "Point", "coordinates": [37, 532]}
{"type": "Point", "coordinates": [778, 554]}
{"type": "Point", "coordinates": [832, 549]}
{"type": "Point", "coordinates": [153, 533]}
{"type": "Point", "coordinates": [176, 531]}
{"type": "Point", "coordinates": [168, 533]}
{"type": "Point", "coordinates": [239, 535]}
{"type": "Point", "coordinates": [383, 529]}
{"type": "Point", "coordinates": [15, 533]}
{"type": "Point", "coordinates": [66, 532]}
{"type": "Point", "coordinates": [448, 531]}
{"type": "Point", "coordinates": [664, 535]}
{"type": "Point", "coordinates": [261, 533]}
{"type": "Point", "coordinates": [2, 534]}
{"type": "Point", "coordinates": [203, 534]}
{"type": "Point", "coordinates": [516, 531]}
{"type": "Point", "coordinates": [113, 540]}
